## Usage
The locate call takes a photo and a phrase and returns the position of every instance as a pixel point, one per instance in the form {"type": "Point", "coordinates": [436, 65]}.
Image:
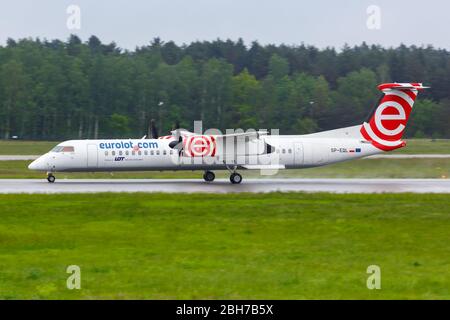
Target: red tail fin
{"type": "Point", "coordinates": [387, 124]}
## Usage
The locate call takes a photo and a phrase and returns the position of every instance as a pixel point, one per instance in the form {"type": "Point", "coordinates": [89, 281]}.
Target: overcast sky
{"type": "Point", "coordinates": [132, 23]}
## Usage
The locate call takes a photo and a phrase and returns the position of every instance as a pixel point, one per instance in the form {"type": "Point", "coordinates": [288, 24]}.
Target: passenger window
{"type": "Point", "coordinates": [106, 153]}
{"type": "Point", "coordinates": [289, 150]}
{"type": "Point", "coordinates": [133, 153]}
{"type": "Point", "coordinates": [164, 152]}
{"type": "Point", "coordinates": [152, 152]}
{"type": "Point", "coordinates": [139, 152]}
{"type": "Point", "coordinates": [113, 153]}
{"type": "Point", "coordinates": [120, 152]}
{"type": "Point", "coordinates": [283, 151]}
{"type": "Point", "coordinates": [171, 151]}
{"type": "Point", "coordinates": [146, 152]}
{"type": "Point", "coordinates": [127, 152]}
{"type": "Point", "coordinates": [157, 152]}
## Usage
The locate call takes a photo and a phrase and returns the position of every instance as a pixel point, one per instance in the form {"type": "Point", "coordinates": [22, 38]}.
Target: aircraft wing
{"type": "Point", "coordinates": [251, 135]}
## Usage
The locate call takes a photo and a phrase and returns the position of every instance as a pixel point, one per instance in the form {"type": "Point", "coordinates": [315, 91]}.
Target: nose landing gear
{"type": "Point", "coordinates": [50, 177]}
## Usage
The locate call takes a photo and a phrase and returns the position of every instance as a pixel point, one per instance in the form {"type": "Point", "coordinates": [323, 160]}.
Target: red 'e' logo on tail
{"type": "Point", "coordinates": [386, 127]}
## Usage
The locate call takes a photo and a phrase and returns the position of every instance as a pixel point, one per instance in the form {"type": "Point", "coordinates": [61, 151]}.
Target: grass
{"type": "Point", "coordinates": [20, 147]}
{"type": "Point", "coordinates": [364, 168]}
{"type": "Point", "coordinates": [425, 146]}
{"type": "Point", "coordinates": [245, 246]}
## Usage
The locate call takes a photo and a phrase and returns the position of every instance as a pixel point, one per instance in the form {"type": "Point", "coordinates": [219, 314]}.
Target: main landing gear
{"type": "Point", "coordinates": [50, 177]}
{"type": "Point", "coordinates": [209, 176]}
{"type": "Point", "coordinates": [235, 178]}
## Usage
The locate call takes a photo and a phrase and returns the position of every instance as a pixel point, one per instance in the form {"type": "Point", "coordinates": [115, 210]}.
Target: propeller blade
{"type": "Point", "coordinates": [154, 131]}
{"type": "Point", "coordinates": [177, 144]}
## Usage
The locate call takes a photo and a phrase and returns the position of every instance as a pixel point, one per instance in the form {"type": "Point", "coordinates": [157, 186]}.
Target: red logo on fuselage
{"type": "Point", "coordinates": [199, 146]}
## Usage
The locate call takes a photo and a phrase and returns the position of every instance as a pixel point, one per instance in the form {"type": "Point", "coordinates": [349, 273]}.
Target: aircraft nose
{"type": "Point", "coordinates": [37, 164]}
{"type": "Point", "coordinates": [32, 166]}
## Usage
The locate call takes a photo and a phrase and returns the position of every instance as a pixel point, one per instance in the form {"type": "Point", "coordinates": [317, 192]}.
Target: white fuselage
{"type": "Point", "coordinates": [293, 151]}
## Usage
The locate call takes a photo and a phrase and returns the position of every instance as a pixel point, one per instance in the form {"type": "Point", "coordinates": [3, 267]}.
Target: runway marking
{"type": "Point", "coordinates": [224, 186]}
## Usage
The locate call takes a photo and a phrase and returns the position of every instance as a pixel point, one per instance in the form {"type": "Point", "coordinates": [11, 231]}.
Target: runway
{"type": "Point", "coordinates": [224, 186]}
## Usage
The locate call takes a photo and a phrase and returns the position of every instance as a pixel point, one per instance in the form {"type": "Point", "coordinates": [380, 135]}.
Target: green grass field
{"type": "Point", "coordinates": [425, 146]}
{"type": "Point", "coordinates": [19, 147]}
{"type": "Point", "coordinates": [365, 168]}
{"type": "Point", "coordinates": [246, 246]}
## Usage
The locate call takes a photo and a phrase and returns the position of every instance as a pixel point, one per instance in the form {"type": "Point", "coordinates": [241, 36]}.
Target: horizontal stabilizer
{"type": "Point", "coordinates": [401, 86]}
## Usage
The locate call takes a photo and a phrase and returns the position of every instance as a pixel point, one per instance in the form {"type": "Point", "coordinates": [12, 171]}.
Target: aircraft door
{"type": "Point", "coordinates": [92, 156]}
{"type": "Point", "coordinates": [298, 153]}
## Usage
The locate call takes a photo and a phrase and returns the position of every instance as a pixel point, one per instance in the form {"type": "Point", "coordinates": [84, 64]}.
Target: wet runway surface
{"type": "Point", "coordinates": [224, 186]}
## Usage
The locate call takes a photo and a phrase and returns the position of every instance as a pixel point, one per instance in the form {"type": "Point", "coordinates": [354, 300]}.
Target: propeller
{"type": "Point", "coordinates": [178, 142]}
{"type": "Point", "coordinates": [153, 129]}
{"type": "Point", "coordinates": [176, 125]}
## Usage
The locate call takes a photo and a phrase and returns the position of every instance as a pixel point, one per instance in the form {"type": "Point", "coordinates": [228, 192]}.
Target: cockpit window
{"type": "Point", "coordinates": [57, 149]}
{"type": "Point", "coordinates": [63, 149]}
{"type": "Point", "coordinates": [67, 149]}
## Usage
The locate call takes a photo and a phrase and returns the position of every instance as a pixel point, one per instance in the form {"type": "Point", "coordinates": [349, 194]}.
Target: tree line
{"type": "Point", "coordinates": [73, 89]}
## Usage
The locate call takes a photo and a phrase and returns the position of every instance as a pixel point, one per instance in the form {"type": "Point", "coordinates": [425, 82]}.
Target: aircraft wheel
{"type": "Point", "coordinates": [51, 178]}
{"type": "Point", "coordinates": [235, 178]}
{"type": "Point", "coordinates": [209, 176]}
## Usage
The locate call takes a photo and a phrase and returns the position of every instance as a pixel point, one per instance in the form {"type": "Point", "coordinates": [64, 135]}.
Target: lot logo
{"type": "Point", "coordinates": [199, 146]}
{"type": "Point", "coordinates": [119, 158]}
{"type": "Point", "coordinates": [385, 128]}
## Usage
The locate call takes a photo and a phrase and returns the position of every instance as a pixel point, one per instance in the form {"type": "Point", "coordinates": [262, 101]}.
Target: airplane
{"type": "Point", "coordinates": [253, 150]}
